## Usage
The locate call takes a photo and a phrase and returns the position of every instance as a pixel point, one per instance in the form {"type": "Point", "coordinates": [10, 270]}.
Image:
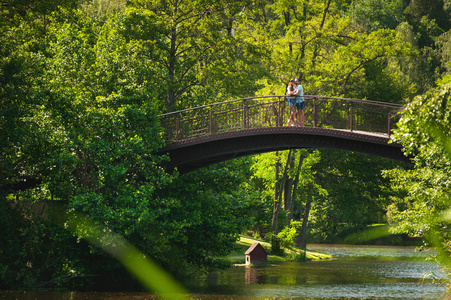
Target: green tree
{"type": "Point", "coordinates": [93, 134]}
{"type": "Point", "coordinates": [330, 53]}
{"type": "Point", "coordinates": [437, 10]}
{"type": "Point", "coordinates": [36, 252]}
{"type": "Point", "coordinates": [358, 195]}
{"type": "Point", "coordinates": [80, 91]}
{"type": "Point", "coordinates": [37, 14]}
{"type": "Point", "coordinates": [377, 14]}
{"type": "Point", "coordinates": [425, 28]}
{"type": "Point", "coordinates": [195, 46]}
{"type": "Point", "coordinates": [288, 180]}
{"type": "Point", "coordinates": [204, 213]}
{"type": "Point", "coordinates": [424, 132]}
{"type": "Point", "coordinates": [23, 41]}
{"type": "Point", "coordinates": [30, 256]}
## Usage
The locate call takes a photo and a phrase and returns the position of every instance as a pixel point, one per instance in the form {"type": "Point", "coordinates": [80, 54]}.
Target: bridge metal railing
{"type": "Point", "coordinates": [272, 111]}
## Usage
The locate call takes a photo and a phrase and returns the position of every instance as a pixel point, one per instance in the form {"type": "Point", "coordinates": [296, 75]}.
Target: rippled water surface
{"type": "Point", "coordinates": [356, 272]}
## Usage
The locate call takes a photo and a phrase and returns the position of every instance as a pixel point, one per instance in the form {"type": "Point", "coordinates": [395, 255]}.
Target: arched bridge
{"type": "Point", "coordinates": [217, 132]}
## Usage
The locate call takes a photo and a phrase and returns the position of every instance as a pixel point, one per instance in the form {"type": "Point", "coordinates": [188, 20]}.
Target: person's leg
{"type": "Point", "coordinates": [301, 117]}
{"type": "Point", "coordinates": [292, 107]}
{"type": "Point", "coordinates": [300, 113]}
{"type": "Point", "coordinates": [289, 113]}
{"type": "Point", "coordinates": [292, 115]}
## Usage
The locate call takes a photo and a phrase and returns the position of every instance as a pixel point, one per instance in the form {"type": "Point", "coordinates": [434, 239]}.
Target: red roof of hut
{"type": "Point", "coordinates": [253, 247]}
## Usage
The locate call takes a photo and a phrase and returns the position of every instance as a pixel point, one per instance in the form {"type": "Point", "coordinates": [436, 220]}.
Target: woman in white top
{"type": "Point", "coordinates": [291, 101]}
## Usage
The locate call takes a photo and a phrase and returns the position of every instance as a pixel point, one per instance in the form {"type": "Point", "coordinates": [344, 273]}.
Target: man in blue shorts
{"type": "Point", "coordinates": [299, 92]}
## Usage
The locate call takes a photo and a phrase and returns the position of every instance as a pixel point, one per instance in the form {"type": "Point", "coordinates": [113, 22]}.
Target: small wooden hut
{"type": "Point", "coordinates": [256, 254]}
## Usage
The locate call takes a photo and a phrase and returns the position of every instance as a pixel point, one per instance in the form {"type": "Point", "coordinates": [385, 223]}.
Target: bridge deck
{"type": "Point", "coordinates": [191, 154]}
{"type": "Point", "coordinates": [201, 136]}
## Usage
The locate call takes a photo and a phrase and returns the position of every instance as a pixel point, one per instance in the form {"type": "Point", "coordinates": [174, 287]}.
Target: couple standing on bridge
{"type": "Point", "coordinates": [295, 102]}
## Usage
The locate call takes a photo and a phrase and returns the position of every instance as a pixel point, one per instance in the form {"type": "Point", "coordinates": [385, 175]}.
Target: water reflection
{"type": "Point", "coordinates": [251, 275]}
{"type": "Point", "coordinates": [358, 272]}
{"type": "Point", "coordinates": [14, 295]}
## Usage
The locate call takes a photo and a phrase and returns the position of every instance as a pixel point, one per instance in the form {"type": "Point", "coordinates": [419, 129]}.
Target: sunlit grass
{"type": "Point", "coordinates": [244, 243]}
{"type": "Point", "coordinates": [371, 233]}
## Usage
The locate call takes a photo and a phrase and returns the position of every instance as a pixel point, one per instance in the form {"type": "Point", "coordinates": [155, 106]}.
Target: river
{"type": "Point", "coordinates": [356, 272]}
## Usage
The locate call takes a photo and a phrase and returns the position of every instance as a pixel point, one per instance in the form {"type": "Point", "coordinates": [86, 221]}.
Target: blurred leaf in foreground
{"type": "Point", "coordinates": [151, 276]}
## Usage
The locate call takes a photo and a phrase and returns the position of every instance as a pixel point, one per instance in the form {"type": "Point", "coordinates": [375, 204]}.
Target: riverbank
{"type": "Point", "coordinates": [238, 257]}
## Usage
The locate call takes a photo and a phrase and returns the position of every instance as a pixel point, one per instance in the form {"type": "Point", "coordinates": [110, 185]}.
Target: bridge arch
{"type": "Point", "coordinates": [218, 132]}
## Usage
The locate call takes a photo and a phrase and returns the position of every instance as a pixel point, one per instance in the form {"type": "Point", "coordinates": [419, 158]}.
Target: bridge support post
{"type": "Point", "coordinates": [315, 113]}
{"type": "Point", "coordinates": [168, 129]}
{"type": "Point", "coordinates": [211, 120]}
{"type": "Point", "coordinates": [351, 118]}
{"type": "Point", "coordinates": [388, 123]}
{"type": "Point", "coordinates": [177, 129]}
{"type": "Point", "coordinates": [245, 115]}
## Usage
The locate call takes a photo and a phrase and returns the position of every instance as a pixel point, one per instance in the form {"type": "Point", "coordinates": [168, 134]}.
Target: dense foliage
{"type": "Point", "coordinates": [423, 209]}
{"type": "Point", "coordinates": [82, 83]}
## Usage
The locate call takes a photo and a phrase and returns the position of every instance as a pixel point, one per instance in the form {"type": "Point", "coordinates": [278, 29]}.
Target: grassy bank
{"type": "Point", "coordinates": [244, 243]}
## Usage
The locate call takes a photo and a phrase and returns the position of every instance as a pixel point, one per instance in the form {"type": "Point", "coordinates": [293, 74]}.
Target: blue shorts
{"type": "Point", "coordinates": [300, 105]}
{"type": "Point", "coordinates": [291, 100]}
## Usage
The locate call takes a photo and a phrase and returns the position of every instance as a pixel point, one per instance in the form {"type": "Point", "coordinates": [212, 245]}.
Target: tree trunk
{"type": "Point", "coordinates": [276, 193]}
{"type": "Point", "coordinates": [287, 200]}
{"type": "Point", "coordinates": [276, 181]}
{"type": "Point", "coordinates": [288, 196]}
{"type": "Point", "coordinates": [295, 189]}
{"type": "Point", "coordinates": [320, 34]}
{"type": "Point", "coordinates": [288, 184]}
{"type": "Point", "coordinates": [326, 9]}
{"type": "Point", "coordinates": [287, 18]}
{"type": "Point", "coordinates": [278, 202]}
{"type": "Point", "coordinates": [171, 72]}
{"type": "Point", "coordinates": [301, 239]}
